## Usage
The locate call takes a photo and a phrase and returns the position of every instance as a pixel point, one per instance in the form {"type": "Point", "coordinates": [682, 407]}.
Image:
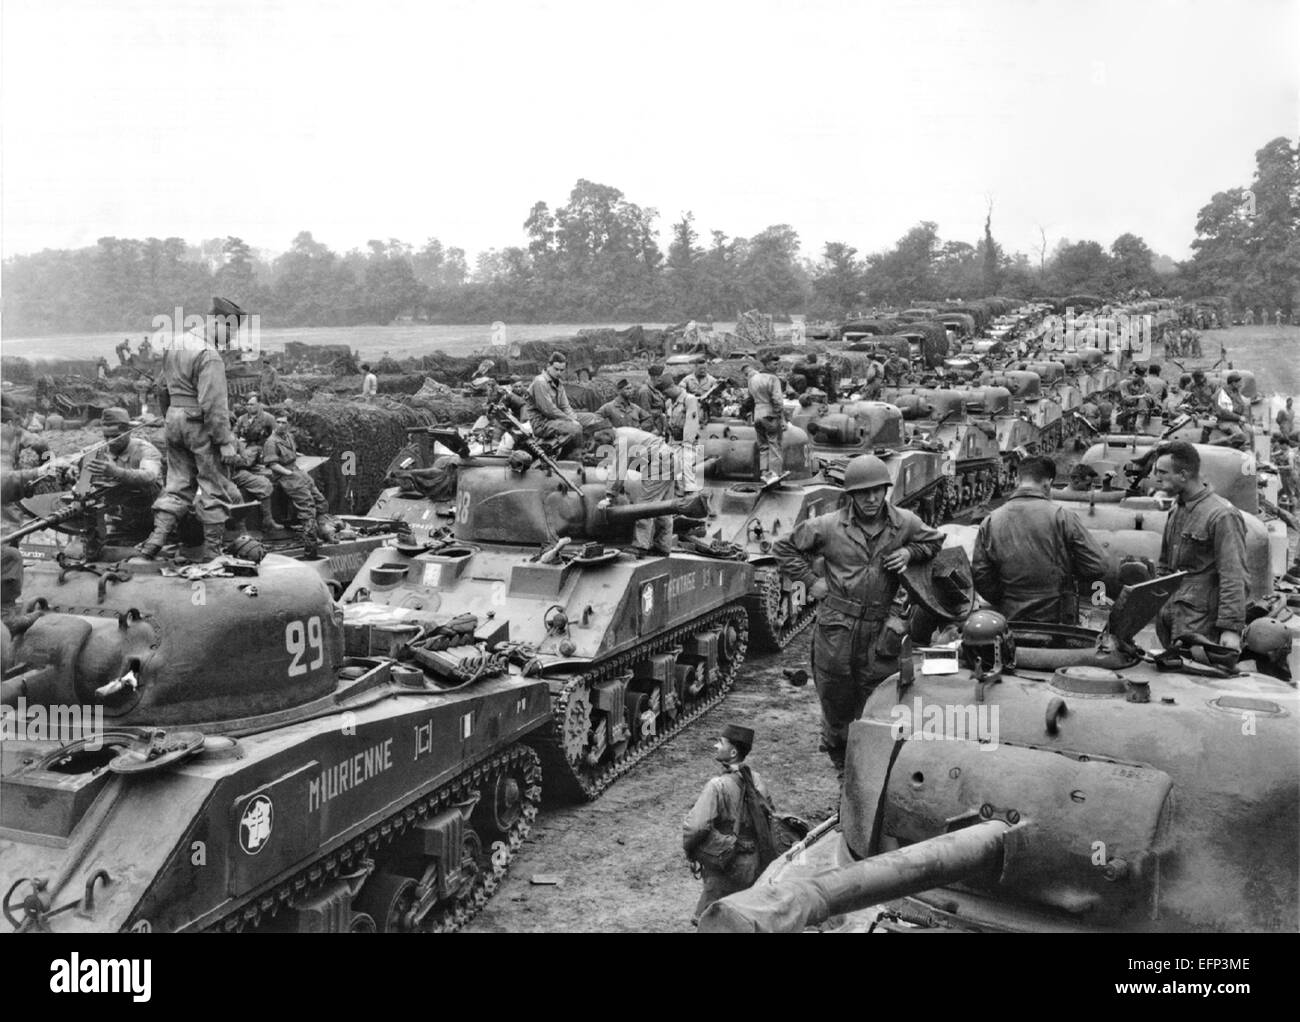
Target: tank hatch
{"type": "Point", "coordinates": [1137, 605]}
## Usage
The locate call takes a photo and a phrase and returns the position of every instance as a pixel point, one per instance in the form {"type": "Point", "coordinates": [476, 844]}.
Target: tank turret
{"type": "Point", "coordinates": [1043, 799]}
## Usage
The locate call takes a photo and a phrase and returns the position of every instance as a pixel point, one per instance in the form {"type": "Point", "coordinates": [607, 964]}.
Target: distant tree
{"type": "Point", "coordinates": [838, 281]}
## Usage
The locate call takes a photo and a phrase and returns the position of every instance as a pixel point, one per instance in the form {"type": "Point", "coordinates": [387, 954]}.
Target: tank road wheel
{"type": "Point", "coordinates": [572, 769]}
{"type": "Point", "coordinates": [775, 617]}
{"type": "Point", "coordinates": [503, 804]}
{"type": "Point", "coordinates": [387, 899]}
{"type": "Point", "coordinates": [361, 923]}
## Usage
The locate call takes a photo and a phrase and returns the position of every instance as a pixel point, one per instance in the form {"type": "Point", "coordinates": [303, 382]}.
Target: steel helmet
{"type": "Point", "coordinates": [1266, 635]}
{"type": "Point", "coordinates": [864, 472]}
{"type": "Point", "coordinates": [983, 628]}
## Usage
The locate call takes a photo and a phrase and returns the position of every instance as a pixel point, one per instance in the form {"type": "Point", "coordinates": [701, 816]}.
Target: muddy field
{"type": "Point", "coordinates": [619, 859]}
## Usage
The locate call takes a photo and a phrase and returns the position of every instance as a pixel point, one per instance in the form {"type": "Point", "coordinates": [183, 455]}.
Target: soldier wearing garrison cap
{"type": "Point", "coordinates": [130, 471]}
{"type": "Point", "coordinates": [716, 833]}
{"type": "Point", "coordinates": [200, 441]}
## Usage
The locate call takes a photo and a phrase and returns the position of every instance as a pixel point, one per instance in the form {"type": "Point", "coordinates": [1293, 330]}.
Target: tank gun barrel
{"type": "Point", "coordinates": [791, 906]}
{"type": "Point", "coordinates": [687, 507]}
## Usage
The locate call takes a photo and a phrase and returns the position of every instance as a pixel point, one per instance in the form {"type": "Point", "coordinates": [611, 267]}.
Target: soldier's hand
{"type": "Point", "coordinates": [229, 454]}
{"type": "Point", "coordinates": [1230, 639]}
{"type": "Point", "coordinates": [898, 560]}
{"type": "Point", "coordinates": [105, 468]}
{"type": "Point", "coordinates": [819, 590]}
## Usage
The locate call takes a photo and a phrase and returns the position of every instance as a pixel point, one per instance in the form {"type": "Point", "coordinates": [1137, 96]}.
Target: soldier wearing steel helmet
{"type": "Point", "coordinates": [864, 548]}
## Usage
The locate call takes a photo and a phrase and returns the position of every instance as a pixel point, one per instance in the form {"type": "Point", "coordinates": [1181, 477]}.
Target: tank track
{"type": "Point", "coordinates": [562, 777]}
{"type": "Point", "coordinates": [766, 634]}
{"type": "Point", "coordinates": [341, 861]}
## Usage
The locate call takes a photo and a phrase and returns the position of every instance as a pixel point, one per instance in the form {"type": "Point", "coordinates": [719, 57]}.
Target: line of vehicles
{"type": "Point", "coordinates": [360, 742]}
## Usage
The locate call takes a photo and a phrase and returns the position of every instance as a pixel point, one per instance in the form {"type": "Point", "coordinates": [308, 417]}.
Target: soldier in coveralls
{"type": "Point", "coordinates": [716, 822]}
{"type": "Point", "coordinates": [866, 547]}
{"type": "Point", "coordinates": [1206, 537]}
{"type": "Point", "coordinates": [200, 441]}
{"type": "Point", "coordinates": [280, 455]}
{"type": "Point", "coordinates": [130, 469]}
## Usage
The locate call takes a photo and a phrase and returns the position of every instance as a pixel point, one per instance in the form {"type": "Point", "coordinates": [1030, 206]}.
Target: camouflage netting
{"type": "Point", "coordinates": [589, 396]}
{"type": "Point", "coordinates": [1083, 301]}
{"type": "Point", "coordinates": [364, 437]}
{"type": "Point", "coordinates": [754, 329]}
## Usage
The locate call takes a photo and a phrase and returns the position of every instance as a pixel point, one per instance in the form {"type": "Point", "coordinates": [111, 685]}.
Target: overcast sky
{"type": "Point", "coordinates": [850, 121]}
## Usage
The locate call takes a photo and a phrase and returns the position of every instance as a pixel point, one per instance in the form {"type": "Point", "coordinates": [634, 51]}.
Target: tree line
{"type": "Point", "coordinates": [598, 257]}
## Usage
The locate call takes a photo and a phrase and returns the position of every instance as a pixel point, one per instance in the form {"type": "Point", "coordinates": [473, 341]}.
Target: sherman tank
{"type": "Point", "coordinates": [1057, 783]}
{"type": "Point", "coordinates": [631, 650]}
{"type": "Point", "coordinates": [752, 514]}
{"type": "Point", "coordinates": [921, 473]}
{"type": "Point", "coordinates": [981, 436]}
{"type": "Point", "coordinates": [194, 750]}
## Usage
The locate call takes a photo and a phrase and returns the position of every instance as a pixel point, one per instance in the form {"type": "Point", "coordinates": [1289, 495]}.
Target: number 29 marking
{"type": "Point", "coordinates": [298, 638]}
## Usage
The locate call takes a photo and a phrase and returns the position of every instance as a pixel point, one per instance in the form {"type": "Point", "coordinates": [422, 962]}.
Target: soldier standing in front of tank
{"type": "Point", "coordinates": [1204, 536]}
{"type": "Point", "coordinates": [865, 547]}
{"type": "Point", "coordinates": [656, 463]}
{"type": "Point", "coordinates": [199, 439]}
{"type": "Point", "coordinates": [717, 818]}
{"type": "Point", "coordinates": [1030, 554]}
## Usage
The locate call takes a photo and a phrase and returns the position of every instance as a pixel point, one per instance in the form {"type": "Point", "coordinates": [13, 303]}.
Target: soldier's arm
{"type": "Point", "coordinates": [1086, 553]}
{"type": "Point", "coordinates": [1230, 553]}
{"type": "Point", "coordinates": [923, 542]}
{"type": "Point", "coordinates": [794, 553]}
{"type": "Point", "coordinates": [699, 821]}
{"type": "Point", "coordinates": [984, 569]}
{"type": "Point", "coordinates": [149, 472]}
{"type": "Point", "coordinates": [212, 397]}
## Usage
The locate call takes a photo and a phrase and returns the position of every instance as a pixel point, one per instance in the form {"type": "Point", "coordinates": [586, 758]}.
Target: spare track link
{"type": "Point", "coordinates": [561, 777]}
{"type": "Point", "coordinates": [445, 919]}
{"type": "Point", "coordinates": [765, 636]}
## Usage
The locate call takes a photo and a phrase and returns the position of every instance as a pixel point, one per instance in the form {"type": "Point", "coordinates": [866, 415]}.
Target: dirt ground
{"type": "Point", "coordinates": [619, 859]}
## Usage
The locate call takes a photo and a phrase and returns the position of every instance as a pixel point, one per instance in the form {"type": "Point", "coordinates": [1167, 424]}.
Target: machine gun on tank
{"type": "Point", "coordinates": [525, 441]}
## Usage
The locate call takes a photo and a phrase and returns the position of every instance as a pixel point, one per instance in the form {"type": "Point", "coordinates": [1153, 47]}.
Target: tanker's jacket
{"type": "Point", "coordinates": [195, 378]}
{"type": "Point", "coordinates": [141, 465]}
{"type": "Point", "coordinates": [650, 397]}
{"type": "Point", "coordinates": [1028, 555]}
{"type": "Point", "coordinates": [1206, 537]}
{"type": "Point", "coordinates": [547, 400]}
{"type": "Point", "coordinates": [859, 586]}
{"type": "Point", "coordinates": [769, 398]}
{"type": "Point", "coordinates": [717, 808]}
{"type": "Point", "coordinates": [255, 426]}
{"type": "Point", "coordinates": [692, 384]}
{"type": "Point", "coordinates": [622, 412]}
{"type": "Point", "coordinates": [279, 449]}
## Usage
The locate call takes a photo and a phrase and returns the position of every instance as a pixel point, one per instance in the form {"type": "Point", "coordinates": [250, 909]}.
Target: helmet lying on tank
{"type": "Point", "coordinates": [988, 646]}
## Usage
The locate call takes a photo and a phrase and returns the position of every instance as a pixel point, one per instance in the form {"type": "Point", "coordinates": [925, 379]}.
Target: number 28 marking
{"type": "Point", "coordinates": [297, 638]}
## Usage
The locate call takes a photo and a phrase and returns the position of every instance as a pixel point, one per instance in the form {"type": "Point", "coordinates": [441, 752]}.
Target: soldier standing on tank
{"type": "Point", "coordinates": [200, 442]}
{"type": "Point", "coordinates": [650, 397]}
{"type": "Point", "coordinates": [769, 419]}
{"type": "Point", "coordinates": [718, 829]}
{"type": "Point", "coordinates": [865, 547]}
{"type": "Point", "coordinates": [656, 463]}
{"type": "Point", "coordinates": [1030, 554]}
{"type": "Point", "coordinates": [1204, 536]}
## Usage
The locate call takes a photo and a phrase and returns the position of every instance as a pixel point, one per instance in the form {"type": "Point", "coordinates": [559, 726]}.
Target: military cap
{"type": "Point", "coordinates": [115, 417]}
{"type": "Point", "coordinates": [1234, 377]}
{"type": "Point", "coordinates": [621, 384]}
{"type": "Point", "coordinates": [770, 357]}
{"type": "Point", "coordinates": [225, 307]}
{"type": "Point", "coordinates": [738, 735]}
{"type": "Point", "coordinates": [656, 370]}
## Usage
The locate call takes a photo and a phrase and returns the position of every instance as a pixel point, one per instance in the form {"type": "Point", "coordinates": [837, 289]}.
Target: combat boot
{"type": "Point", "coordinates": [213, 540]}
{"type": "Point", "coordinates": [269, 524]}
{"type": "Point", "coordinates": [163, 523]}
